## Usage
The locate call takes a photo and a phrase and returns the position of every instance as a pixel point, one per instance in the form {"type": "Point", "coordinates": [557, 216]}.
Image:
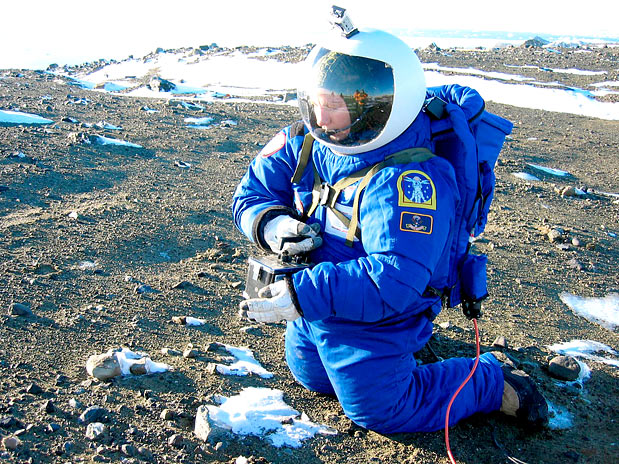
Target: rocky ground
{"type": "Point", "coordinates": [102, 246]}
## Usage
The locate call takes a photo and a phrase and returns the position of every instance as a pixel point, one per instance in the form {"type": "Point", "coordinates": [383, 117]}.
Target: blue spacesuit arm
{"type": "Point", "coordinates": [406, 244]}
{"type": "Point", "coordinates": [265, 188]}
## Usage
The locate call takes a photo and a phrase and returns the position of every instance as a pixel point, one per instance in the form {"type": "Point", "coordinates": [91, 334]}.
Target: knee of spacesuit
{"type": "Point", "coordinates": [303, 359]}
{"type": "Point", "coordinates": [370, 417]}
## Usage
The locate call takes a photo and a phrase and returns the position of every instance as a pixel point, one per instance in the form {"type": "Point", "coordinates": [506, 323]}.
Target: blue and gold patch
{"type": "Point", "coordinates": [416, 190]}
{"type": "Point", "coordinates": [413, 222]}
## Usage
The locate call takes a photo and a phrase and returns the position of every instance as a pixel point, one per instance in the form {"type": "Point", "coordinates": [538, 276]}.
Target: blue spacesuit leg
{"type": "Point", "coordinates": [381, 388]}
{"type": "Point", "coordinates": [303, 359]}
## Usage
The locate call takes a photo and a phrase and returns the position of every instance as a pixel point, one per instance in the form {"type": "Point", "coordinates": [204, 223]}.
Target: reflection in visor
{"type": "Point", "coordinates": [349, 98]}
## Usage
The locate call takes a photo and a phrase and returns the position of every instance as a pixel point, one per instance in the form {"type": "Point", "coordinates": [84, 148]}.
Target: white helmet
{"type": "Point", "coordinates": [360, 93]}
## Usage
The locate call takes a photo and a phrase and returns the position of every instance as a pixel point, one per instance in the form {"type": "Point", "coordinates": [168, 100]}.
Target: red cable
{"type": "Point", "coordinates": [451, 458]}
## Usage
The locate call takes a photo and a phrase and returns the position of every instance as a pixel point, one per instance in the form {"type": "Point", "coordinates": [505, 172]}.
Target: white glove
{"type": "Point", "coordinates": [273, 305]}
{"type": "Point", "coordinates": [283, 227]}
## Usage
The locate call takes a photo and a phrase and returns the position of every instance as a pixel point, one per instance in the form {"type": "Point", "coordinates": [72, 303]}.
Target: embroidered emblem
{"type": "Point", "coordinates": [416, 189]}
{"type": "Point", "coordinates": [413, 222]}
{"type": "Point", "coordinates": [275, 145]}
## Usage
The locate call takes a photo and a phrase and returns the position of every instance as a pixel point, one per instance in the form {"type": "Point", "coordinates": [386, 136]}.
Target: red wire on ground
{"type": "Point", "coordinates": [451, 458]}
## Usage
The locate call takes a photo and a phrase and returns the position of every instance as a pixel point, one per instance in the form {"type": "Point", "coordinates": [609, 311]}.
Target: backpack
{"type": "Point", "coordinates": [471, 143]}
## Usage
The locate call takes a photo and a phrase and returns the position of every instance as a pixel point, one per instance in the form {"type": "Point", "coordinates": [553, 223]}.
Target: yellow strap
{"type": "Point", "coordinates": [315, 192]}
{"type": "Point", "coordinates": [410, 155]}
{"type": "Point", "coordinates": [306, 152]}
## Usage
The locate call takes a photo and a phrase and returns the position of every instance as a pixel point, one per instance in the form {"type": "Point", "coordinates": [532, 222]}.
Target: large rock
{"type": "Point", "coordinates": [564, 368]}
{"type": "Point", "coordinates": [103, 366]}
{"type": "Point", "coordinates": [161, 85]}
{"type": "Point", "coordinates": [19, 309]}
{"type": "Point", "coordinates": [536, 42]}
{"type": "Point", "coordinates": [206, 429]}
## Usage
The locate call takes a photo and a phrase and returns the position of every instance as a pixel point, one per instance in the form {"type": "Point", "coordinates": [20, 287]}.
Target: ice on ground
{"type": "Point", "coordinates": [603, 311]}
{"type": "Point", "coordinates": [238, 75]}
{"type": "Point", "coordinates": [579, 72]}
{"type": "Point", "coordinates": [194, 321]}
{"type": "Point", "coordinates": [525, 176]}
{"type": "Point", "coordinates": [127, 358]}
{"type": "Point", "coordinates": [586, 349]}
{"type": "Point", "coordinates": [552, 171]}
{"type": "Point", "coordinates": [18, 117]}
{"type": "Point", "coordinates": [200, 121]}
{"type": "Point", "coordinates": [477, 72]}
{"type": "Point", "coordinates": [84, 265]}
{"type": "Point", "coordinates": [107, 126]}
{"type": "Point", "coordinates": [262, 412]}
{"type": "Point", "coordinates": [101, 140]}
{"type": "Point", "coordinates": [560, 418]}
{"type": "Point", "coordinates": [244, 364]}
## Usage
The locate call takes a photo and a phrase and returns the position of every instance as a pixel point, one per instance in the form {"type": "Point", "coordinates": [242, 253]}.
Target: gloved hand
{"type": "Point", "coordinates": [273, 305]}
{"type": "Point", "coordinates": [284, 226]}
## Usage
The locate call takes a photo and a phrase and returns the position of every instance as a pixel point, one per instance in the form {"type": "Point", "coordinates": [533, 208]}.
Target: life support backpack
{"type": "Point", "coordinates": [472, 145]}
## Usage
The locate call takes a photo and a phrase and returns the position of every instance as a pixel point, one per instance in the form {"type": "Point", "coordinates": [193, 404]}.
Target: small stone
{"type": "Point", "coordinates": [444, 325]}
{"type": "Point", "coordinates": [254, 330]}
{"type": "Point", "coordinates": [145, 453]}
{"type": "Point", "coordinates": [211, 368]}
{"type": "Point", "coordinates": [568, 192]}
{"type": "Point", "coordinates": [19, 309]}
{"type": "Point", "coordinates": [214, 346]}
{"type": "Point", "coordinates": [52, 428]}
{"type": "Point", "coordinates": [48, 407]}
{"type": "Point", "coordinates": [576, 242]}
{"type": "Point", "coordinates": [503, 358]}
{"type": "Point", "coordinates": [170, 352]}
{"type": "Point", "coordinates": [68, 446]}
{"type": "Point", "coordinates": [34, 389]}
{"type": "Point", "coordinates": [92, 414]}
{"type": "Point", "coordinates": [176, 440]}
{"type": "Point", "coordinates": [191, 353]}
{"type": "Point", "coordinates": [167, 414]}
{"type": "Point", "coordinates": [9, 422]}
{"type": "Point", "coordinates": [183, 285]}
{"type": "Point", "coordinates": [75, 404]}
{"type": "Point", "coordinates": [208, 430]}
{"type": "Point", "coordinates": [11, 443]}
{"type": "Point", "coordinates": [575, 264]}
{"type": "Point", "coordinates": [96, 431]}
{"type": "Point", "coordinates": [103, 366]}
{"type": "Point", "coordinates": [138, 368]}
{"type": "Point", "coordinates": [500, 342]}
{"type": "Point", "coordinates": [555, 235]}
{"type": "Point", "coordinates": [564, 368]}
{"type": "Point", "coordinates": [143, 288]}
{"type": "Point", "coordinates": [128, 450]}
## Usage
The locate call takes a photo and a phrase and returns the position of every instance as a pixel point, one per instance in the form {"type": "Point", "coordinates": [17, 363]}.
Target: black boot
{"type": "Point", "coordinates": [527, 405]}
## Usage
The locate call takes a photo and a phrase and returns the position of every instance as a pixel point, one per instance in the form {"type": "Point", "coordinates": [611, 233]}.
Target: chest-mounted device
{"type": "Point", "coordinates": [267, 269]}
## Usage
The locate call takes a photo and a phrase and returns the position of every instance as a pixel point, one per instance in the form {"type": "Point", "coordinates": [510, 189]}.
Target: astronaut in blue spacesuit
{"type": "Point", "coordinates": [356, 317]}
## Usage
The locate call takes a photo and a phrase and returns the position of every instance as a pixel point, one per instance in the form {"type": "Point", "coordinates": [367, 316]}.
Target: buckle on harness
{"type": "Point", "coordinates": [327, 195]}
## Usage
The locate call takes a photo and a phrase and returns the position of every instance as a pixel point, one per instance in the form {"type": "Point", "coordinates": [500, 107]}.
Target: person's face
{"type": "Point", "coordinates": [332, 113]}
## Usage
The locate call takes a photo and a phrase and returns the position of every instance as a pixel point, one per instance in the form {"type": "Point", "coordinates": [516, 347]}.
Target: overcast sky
{"type": "Point", "coordinates": [56, 31]}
